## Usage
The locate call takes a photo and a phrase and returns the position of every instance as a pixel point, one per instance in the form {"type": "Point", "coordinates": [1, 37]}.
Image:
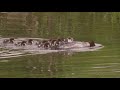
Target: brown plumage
{"type": "Point", "coordinates": [46, 45]}
{"type": "Point", "coordinates": [23, 43]}
{"type": "Point", "coordinates": [11, 40]}
{"type": "Point", "coordinates": [92, 44]}
{"type": "Point", "coordinates": [5, 41]}
{"type": "Point", "coordinates": [30, 41]}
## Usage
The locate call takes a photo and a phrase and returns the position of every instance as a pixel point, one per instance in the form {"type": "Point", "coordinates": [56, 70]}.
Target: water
{"type": "Point", "coordinates": [102, 27]}
{"type": "Point", "coordinates": [10, 50]}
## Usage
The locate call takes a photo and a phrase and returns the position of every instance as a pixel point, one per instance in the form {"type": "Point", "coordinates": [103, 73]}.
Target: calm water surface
{"type": "Point", "coordinates": [103, 28]}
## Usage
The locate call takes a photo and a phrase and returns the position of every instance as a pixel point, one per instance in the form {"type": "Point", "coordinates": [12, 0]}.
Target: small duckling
{"type": "Point", "coordinates": [68, 40]}
{"type": "Point", "coordinates": [46, 45]}
{"type": "Point", "coordinates": [11, 40]}
{"type": "Point", "coordinates": [30, 41]}
{"type": "Point", "coordinates": [23, 43]}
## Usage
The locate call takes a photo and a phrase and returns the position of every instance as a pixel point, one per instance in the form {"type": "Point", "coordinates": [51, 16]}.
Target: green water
{"type": "Point", "coordinates": [102, 27]}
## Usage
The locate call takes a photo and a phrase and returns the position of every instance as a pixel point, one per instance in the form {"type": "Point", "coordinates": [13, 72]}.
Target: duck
{"type": "Point", "coordinates": [92, 43]}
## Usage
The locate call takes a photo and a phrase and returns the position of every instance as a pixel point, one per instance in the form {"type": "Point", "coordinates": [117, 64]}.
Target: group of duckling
{"type": "Point", "coordinates": [46, 44]}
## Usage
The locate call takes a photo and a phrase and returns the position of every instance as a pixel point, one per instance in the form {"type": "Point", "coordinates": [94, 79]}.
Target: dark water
{"type": "Point", "coordinates": [102, 27]}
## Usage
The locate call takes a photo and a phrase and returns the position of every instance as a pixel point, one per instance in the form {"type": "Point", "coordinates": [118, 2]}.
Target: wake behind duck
{"type": "Point", "coordinates": [14, 47]}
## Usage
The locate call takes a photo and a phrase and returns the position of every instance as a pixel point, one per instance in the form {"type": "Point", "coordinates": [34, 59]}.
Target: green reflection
{"type": "Point", "coordinates": [102, 27]}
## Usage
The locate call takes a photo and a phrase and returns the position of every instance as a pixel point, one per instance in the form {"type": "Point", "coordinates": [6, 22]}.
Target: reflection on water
{"type": "Point", "coordinates": [102, 27]}
{"type": "Point", "coordinates": [47, 65]}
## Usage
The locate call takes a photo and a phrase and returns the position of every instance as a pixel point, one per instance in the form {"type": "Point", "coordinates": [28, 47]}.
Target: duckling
{"type": "Point", "coordinates": [11, 40]}
{"type": "Point", "coordinates": [23, 43]}
{"type": "Point", "coordinates": [46, 45]}
{"type": "Point", "coordinates": [5, 41]}
{"type": "Point", "coordinates": [39, 44]}
{"type": "Point", "coordinates": [69, 39]}
{"type": "Point", "coordinates": [30, 41]}
{"type": "Point", "coordinates": [42, 44]}
{"type": "Point", "coordinates": [52, 42]}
